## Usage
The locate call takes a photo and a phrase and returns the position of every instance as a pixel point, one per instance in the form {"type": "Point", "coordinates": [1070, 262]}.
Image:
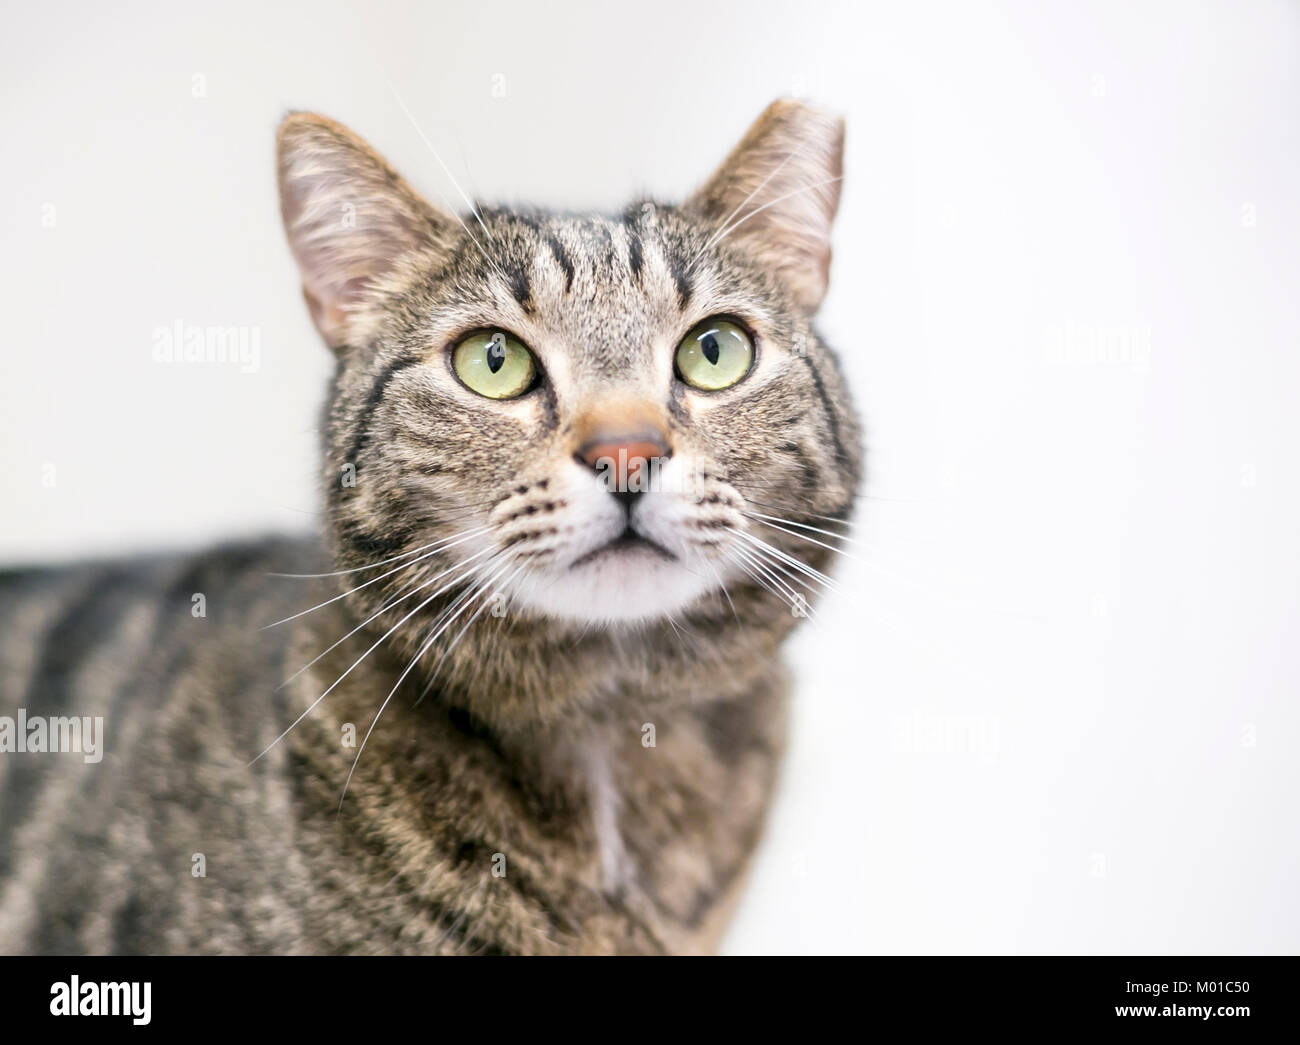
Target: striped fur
{"type": "Point", "coordinates": [508, 799]}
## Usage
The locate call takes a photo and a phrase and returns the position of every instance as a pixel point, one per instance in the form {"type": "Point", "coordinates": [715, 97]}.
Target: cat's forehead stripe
{"type": "Point", "coordinates": [590, 252]}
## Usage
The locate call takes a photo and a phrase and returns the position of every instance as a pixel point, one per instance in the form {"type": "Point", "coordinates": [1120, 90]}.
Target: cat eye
{"type": "Point", "coordinates": [494, 364]}
{"type": "Point", "coordinates": [714, 355]}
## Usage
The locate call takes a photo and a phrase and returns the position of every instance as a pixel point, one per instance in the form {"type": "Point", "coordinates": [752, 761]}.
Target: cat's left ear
{"type": "Point", "coordinates": [777, 193]}
{"type": "Point", "coordinates": [348, 216]}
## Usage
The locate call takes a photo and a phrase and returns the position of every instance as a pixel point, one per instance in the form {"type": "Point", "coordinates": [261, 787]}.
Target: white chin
{"type": "Point", "coordinates": [620, 583]}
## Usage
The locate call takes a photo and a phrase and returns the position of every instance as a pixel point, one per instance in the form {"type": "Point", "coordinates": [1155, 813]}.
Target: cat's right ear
{"type": "Point", "coordinates": [777, 194]}
{"type": "Point", "coordinates": [348, 216]}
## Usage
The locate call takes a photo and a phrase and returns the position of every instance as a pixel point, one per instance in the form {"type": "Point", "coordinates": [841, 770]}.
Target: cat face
{"type": "Point", "coordinates": [590, 414]}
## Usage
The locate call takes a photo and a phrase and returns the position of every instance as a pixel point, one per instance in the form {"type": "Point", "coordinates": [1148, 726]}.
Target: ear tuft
{"type": "Point", "coordinates": [347, 214]}
{"type": "Point", "coordinates": [777, 194]}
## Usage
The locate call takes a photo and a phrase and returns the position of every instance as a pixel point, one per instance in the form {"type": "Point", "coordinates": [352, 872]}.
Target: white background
{"type": "Point", "coordinates": [1054, 708]}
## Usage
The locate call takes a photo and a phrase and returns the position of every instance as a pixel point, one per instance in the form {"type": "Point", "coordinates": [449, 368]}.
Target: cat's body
{"type": "Point", "coordinates": [606, 845]}
{"type": "Point", "coordinates": [575, 689]}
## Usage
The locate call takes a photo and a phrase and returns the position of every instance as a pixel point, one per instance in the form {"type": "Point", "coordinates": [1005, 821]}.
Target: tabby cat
{"type": "Point", "coordinates": [582, 475]}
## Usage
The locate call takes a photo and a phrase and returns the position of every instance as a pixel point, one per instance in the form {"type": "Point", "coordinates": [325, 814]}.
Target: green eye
{"type": "Point", "coordinates": [716, 354]}
{"type": "Point", "coordinates": [494, 364]}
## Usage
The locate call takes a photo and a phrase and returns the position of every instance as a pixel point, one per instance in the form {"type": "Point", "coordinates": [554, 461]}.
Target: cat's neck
{"type": "Point", "coordinates": [519, 675]}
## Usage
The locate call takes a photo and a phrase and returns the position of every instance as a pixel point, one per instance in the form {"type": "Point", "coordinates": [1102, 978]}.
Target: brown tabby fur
{"type": "Point", "coordinates": [527, 754]}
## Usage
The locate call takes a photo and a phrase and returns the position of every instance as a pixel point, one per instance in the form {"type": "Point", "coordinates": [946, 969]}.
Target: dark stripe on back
{"type": "Point", "coordinates": [51, 691]}
{"type": "Point", "coordinates": [143, 687]}
{"type": "Point", "coordinates": [230, 571]}
{"type": "Point", "coordinates": [129, 920]}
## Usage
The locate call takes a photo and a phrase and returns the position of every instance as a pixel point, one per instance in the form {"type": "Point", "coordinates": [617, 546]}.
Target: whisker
{"type": "Point", "coordinates": [803, 513]}
{"type": "Point", "coordinates": [805, 537]}
{"type": "Point", "coordinates": [384, 609]}
{"type": "Point", "coordinates": [757, 577]}
{"type": "Point", "coordinates": [379, 642]}
{"type": "Point", "coordinates": [792, 598]}
{"type": "Point", "coordinates": [452, 179]}
{"type": "Point", "coordinates": [796, 578]}
{"type": "Point", "coordinates": [453, 610]}
{"type": "Point", "coordinates": [860, 496]}
{"type": "Point", "coordinates": [884, 571]}
{"type": "Point", "coordinates": [468, 595]}
{"type": "Point", "coordinates": [802, 526]}
{"type": "Point", "coordinates": [760, 569]}
{"type": "Point", "coordinates": [371, 566]}
{"type": "Point", "coordinates": [483, 589]}
{"type": "Point", "coordinates": [798, 564]}
{"type": "Point", "coordinates": [396, 569]}
{"type": "Point", "coordinates": [722, 585]}
{"type": "Point", "coordinates": [473, 207]}
{"type": "Point", "coordinates": [414, 660]}
{"type": "Point", "coordinates": [677, 632]}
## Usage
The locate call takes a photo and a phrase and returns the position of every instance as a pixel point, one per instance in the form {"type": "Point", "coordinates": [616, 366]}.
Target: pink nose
{"type": "Point", "coordinates": [623, 457]}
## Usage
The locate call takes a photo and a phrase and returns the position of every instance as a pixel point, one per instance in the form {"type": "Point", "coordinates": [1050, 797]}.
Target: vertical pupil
{"type": "Point", "coordinates": [496, 355]}
{"type": "Point", "coordinates": [709, 346]}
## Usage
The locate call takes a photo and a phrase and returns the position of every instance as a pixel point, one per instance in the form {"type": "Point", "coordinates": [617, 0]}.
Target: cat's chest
{"type": "Point", "coordinates": [627, 835]}
{"type": "Point", "coordinates": [676, 810]}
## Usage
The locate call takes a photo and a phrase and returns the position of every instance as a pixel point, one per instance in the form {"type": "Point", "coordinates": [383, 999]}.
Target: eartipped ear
{"type": "Point", "coordinates": [777, 194]}
{"type": "Point", "coordinates": [348, 215]}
